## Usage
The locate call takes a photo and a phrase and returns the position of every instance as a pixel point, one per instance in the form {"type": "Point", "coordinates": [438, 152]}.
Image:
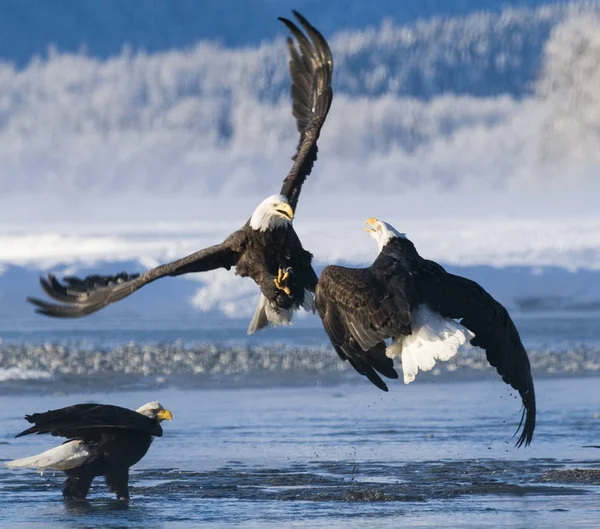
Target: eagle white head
{"type": "Point", "coordinates": [154, 410]}
{"type": "Point", "coordinates": [272, 212]}
{"type": "Point", "coordinates": [382, 232]}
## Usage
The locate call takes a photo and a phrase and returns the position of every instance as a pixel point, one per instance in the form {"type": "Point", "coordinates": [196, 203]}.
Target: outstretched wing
{"type": "Point", "coordinates": [358, 314]}
{"type": "Point", "coordinates": [311, 69]}
{"type": "Point", "coordinates": [80, 297]}
{"type": "Point", "coordinates": [460, 298]}
{"type": "Point", "coordinates": [88, 421]}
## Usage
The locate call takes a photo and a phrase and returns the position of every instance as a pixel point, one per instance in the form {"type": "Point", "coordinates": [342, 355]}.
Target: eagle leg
{"type": "Point", "coordinates": [281, 280]}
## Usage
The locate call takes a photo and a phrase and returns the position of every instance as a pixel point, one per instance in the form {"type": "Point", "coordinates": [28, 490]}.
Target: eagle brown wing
{"type": "Point", "coordinates": [462, 299]}
{"type": "Point", "coordinates": [89, 421]}
{"type": "Point", "coordinates": [358, 314]}
{"type": "Point", "coordinates": [80, 297]}
{"type": "Point", "coordinates": [311, 70]}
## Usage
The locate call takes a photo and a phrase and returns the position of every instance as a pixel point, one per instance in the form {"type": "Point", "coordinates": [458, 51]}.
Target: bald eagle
{"type": "Point", "coordinates": [416, 303]}
{"type": "Point", "coordinates": [103, 440]}
{"type": "Point", "coordinates": [266, 248]}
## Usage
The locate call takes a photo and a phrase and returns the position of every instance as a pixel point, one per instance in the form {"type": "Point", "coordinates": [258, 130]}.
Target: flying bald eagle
{"type": "Point", "coordinates": [416, 303]}
{"type": "Point", "coordinates": [266, 248]}
{"type": "Point", "coordinates": [103, 440]}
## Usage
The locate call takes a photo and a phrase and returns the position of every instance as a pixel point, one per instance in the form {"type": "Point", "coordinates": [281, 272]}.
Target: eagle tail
{"type": "Point", "coordinates": [64, 457]}
{"type": "Point", "coordinates": [259, 320]}
{"type": "Point", "coordinates": [266, 313]}
{"type": "Point", "coordinates": [433, 338]}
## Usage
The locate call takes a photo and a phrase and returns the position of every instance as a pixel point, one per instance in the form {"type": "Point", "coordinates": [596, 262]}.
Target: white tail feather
{"type": "Point", "coordinates": [433, 338]}
{"type": "Point", "coordinates": [266, 314]}
{"type": "Point", "coordinates": [308, 303]}
{"type": "Point", "coordinates": [64, 457]}
{"type": "Point", "coordinates": [259, 320]}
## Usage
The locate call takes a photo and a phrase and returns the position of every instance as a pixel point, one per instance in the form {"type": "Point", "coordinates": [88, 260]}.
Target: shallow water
{"type": "Point", "coordinates": [424, 455]}
{"type": "Point", "coordinates": [553, 331]}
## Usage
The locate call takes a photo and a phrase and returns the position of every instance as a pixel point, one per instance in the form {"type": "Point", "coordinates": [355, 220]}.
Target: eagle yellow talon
{"type": "Point", "coordinates": [280, 281]}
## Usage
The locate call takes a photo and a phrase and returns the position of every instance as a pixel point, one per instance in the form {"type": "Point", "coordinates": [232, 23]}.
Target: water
{"type": "Point", "coordinates": [549, 331]}
{"type": "Point", "coordinates": [424, 455]}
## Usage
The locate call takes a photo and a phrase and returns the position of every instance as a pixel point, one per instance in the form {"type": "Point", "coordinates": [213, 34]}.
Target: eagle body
{"type": "Point", "coordinates": [111, 456]}
{"type": "Point", "coordinates": [427, 313]}
{"type": "Point", "coordinates": [266, 248]}
{"type": "Point", "coordinates": [360, 308]}
{"type": "Point", "coordinates": [102, 440]}
{"type": "Point", "coordinates": [267, 252]}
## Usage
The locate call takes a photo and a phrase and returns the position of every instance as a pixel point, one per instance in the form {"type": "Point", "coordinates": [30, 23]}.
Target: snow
{"type": "Point", "coordinates": [414, 105]}
{"type": "Point", "coordinates": [567, 243]}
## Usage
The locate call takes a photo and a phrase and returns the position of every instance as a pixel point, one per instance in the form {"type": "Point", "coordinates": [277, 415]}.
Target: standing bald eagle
{"type": "Point", "coordinates": [266, 248]}
{"type": "Point", "coordinates": [103, 440]}
{"type": "Point", "coordinates": [415, 302]}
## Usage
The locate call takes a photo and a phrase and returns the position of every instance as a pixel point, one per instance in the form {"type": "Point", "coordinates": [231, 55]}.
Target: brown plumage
{"type": "Point", "coordinates": [102, 440]}
{"type": "Point", "coordinates": [266, 249]}
{"type": "Point", "coordinates": [361, 308]}
{"type": "Point", "coordinates": [311, 71]}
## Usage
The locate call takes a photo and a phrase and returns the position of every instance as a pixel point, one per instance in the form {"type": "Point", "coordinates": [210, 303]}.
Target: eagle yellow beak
{"type": "Point", "coordinates": [285, 210]}
{"type": "Point", "coordinates": [371, 224]}
{"type": "Point", "coordinates": [164, 415]}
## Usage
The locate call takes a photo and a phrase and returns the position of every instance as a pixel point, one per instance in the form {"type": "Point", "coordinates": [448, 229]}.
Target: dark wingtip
{"type": "Point", "coordinates": [48, 309]}
{"type": "Point", "coordinates": [50, 285]}
{"type": "Point", "coordinates": [35, 301]}
{"type": "Point", "coordinates": [302, 19]}
{"type": "Point", "coordinates": [528, 424]}
{"type": "Point", "coordinates": [317, 37]}
{"type": "Point", "coordinates": [292, 27]}
{"type": "Point", "coordinates": [29, 419]}
{"type": "Point", "coordinates": [45, 313]}
{"type": "Point", "coordinates": [378, 382]}
{"type": "Point", "coordinates": [287, 22]}
{"type": "Point", "coordinates": [41, 306]}
{"type": "Point", "coordinates": [299, 17]}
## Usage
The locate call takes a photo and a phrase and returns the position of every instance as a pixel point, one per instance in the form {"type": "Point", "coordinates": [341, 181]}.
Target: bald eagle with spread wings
{"type": "Point", "coordinates": [427, 312]}
{"type": "Point", "coordinates": [266, 248]}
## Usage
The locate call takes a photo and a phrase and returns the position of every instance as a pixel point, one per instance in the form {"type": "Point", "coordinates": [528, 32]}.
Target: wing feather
{"type": "Point", "coordinates": [74, 289]}
{"type": "Point", "coordinates": [496, 333]}
{"type": "Point", "coordinates": [358, 315]}
{"type": "Point", "coordinates": [80, 297]}
{"type": "Point", "coordinates": [311, 70]}
{"type": "Point", "coordinates": [88, 421]}
{"type": "Point", "coordinates": [365, 302]}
